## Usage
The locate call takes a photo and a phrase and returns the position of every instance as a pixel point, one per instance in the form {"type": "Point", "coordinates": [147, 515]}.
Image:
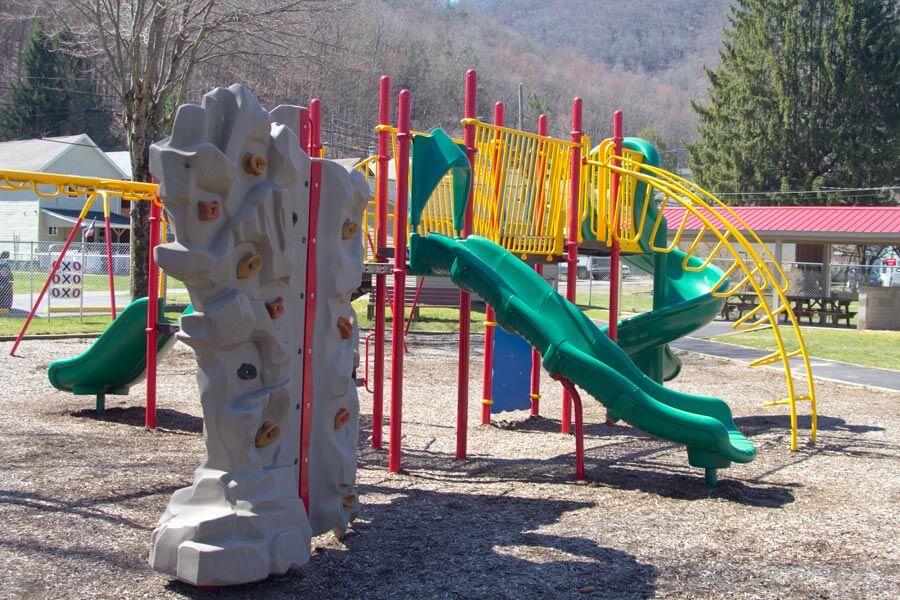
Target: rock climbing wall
{"type": "Point", "coordinates": [236, 188]}
{"type": "Point", "coordinates": [333, 499]}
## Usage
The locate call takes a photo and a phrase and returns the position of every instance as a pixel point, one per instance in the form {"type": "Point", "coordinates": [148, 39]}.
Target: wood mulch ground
{"type": "Point", "coordinates": [79, 496]}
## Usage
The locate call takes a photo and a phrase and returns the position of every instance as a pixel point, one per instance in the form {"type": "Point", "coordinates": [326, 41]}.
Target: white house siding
{"type": "Point", "coordinates": [18, 218]}
{"type": "Point", "coordinates": [84, 162]}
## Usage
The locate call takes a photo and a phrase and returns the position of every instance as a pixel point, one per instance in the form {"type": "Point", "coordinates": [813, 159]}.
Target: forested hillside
{"type": "Point", "coordinates": [644, 57]}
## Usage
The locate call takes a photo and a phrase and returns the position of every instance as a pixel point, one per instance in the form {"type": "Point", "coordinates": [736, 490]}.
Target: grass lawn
{"type": "Point", "coordinates": [869, 348]}
{"type": "Point", "coordinates": [25, 282]}
{"type": "Point", "coordinates": [430, 318]}
{"type": "Point", "coordinates": [62, 325]}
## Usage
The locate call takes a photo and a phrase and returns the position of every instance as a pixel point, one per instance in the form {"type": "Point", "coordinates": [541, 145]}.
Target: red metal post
{"type": "Point", "coordinates": [315, 190]}
{"type": "Point", "coordinates": [615, 259]}
{"type": "Point", "coordinates": [75, 229]}
{"type": "Point", "coordinates": [401, 208]}
{"type": "Point", "coordinates": [152, 317]}
{"type": "Point", "coordinates": [572, 243]}
{"type": "Point", "coordinates": [489, 316]}
{"type": "Point", "coordinates": [465, 300]}
{"type": "Point", "coordinates": [579, 426]}
{"type": "Point", "coordinates": [539, 269]}
{"type": "Point", "coordinates": [381, 208]}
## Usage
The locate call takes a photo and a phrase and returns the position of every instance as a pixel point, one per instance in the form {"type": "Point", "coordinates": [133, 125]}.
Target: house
{"type": "Point", "coordinates": [25, 217]}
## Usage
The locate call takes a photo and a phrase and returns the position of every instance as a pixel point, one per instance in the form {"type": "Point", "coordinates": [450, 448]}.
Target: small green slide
{"type": "Point", "coordinates": [682, 291]}
{"type": "Point", "coordinates": [116, 360]}
{"type": "Point", "coordinates": [570, 343]}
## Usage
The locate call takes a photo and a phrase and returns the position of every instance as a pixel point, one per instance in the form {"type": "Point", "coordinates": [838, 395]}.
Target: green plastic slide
{"type": "Point", "coordinates": [570, 343]}
{"type": "Point", "coordinates": [686, 304]}
{"type": "Point", "coordinates": [574, 347]}
{"type": "Point", "coordinates": [116, 361]}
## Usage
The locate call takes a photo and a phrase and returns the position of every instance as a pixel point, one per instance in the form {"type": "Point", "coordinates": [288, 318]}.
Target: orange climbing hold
{"type": "Point", "coordinates": [341, 418]}
{"type": "Point", "coordinates": [209, 211]}
{"type": "Point", "coordinates": [275, 307]}
{"type": "Point", "coordinates": [345, 327]}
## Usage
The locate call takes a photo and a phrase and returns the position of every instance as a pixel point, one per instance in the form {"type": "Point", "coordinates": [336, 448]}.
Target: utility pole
{"type": "Point", "coordinates": [521, 102]}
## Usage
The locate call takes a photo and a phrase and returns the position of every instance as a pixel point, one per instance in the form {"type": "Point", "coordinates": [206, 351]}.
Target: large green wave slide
{"type": "Point", "coordinates": [571, 344]}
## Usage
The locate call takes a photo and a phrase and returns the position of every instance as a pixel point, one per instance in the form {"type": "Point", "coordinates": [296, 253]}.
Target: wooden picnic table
{"type": "Point", "coordinates": [833, 308]}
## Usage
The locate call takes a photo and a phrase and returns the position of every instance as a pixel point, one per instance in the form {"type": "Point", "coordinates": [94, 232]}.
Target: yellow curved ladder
{"type": "Point", "coordinates": [752, 268]}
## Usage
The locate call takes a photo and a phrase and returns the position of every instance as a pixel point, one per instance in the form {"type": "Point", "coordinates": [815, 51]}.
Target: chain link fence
{"type": "Point", "coordinates": [77, 299]}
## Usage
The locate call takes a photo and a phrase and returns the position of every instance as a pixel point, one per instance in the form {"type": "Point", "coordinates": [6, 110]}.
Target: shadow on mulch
{"type": "Point", "coordinates": [87, 508]}
{"type": "Point", "coordinates": [166, 418]}
{"type": "Point", "coordinates": [438, 544]}
{"type": "Point", "coordinates": [634, 462]}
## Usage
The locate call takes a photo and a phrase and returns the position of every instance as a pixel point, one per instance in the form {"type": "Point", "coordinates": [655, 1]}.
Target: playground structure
{"type": "Point", "coordinates": [534, 199]}
{"type": "Point", "coordinates": [275, 336]}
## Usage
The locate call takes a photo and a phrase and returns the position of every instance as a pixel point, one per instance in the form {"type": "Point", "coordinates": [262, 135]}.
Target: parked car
{"type": "Point", "coordinates": [599, 268]}
{"type": "Point", "coordinates": [6, 282]}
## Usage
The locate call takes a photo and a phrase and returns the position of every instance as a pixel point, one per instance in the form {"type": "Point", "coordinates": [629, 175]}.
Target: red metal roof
{"type": "Point", "coordinates": [830, 220]}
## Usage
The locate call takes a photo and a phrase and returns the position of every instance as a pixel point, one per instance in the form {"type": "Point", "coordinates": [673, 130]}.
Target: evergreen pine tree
{"type": "Point", "coordinates": [805, 97]}
{"type": "Point", "coordinates": [54, 95]}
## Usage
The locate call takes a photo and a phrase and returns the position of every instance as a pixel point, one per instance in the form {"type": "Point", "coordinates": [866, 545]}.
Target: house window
{"type": "Point", "coordinates": [52, 231]}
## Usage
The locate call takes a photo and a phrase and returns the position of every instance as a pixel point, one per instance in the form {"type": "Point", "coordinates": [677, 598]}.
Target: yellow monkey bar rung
{"type": "Point", "coordinates": [774, 357]}
{"type": "Point", "coordinates": [75, 185]}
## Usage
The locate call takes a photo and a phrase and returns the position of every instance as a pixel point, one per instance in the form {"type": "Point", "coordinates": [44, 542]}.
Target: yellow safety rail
{"type": "Point", "coordinates": [521, 189]}
{"type": "Point", "coordinates": [752, 266]}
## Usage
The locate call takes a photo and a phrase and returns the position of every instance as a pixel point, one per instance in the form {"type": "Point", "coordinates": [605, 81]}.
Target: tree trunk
{"type": "Point", "coordinates": [140, 214]}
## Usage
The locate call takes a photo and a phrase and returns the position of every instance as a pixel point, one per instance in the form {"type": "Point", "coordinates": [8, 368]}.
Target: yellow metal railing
{"type": "Point", "coordinates": [521, 191]}
{"type": "Point", "coordinates": [753, 268]}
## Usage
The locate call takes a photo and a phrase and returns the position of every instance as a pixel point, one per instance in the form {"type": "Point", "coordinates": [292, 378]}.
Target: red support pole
{"type": "Point", "coordinates": [55, 267]}
{"type": "Point", "coordinates": [489, 316]}
{"type": "Point", "coordinates": [539, 269]}
{"type": "Point", "coordinates": [152, 317]}
{"type": "Point", "coordinates": [579, 425]}
{"type": "Point", "coordinates": [381, 208]}
{"type": "Point", "coordinates": [615, 258]}
{"type": "Point", "coordinates": [572, 243]}
{"type": "Point", "coordinates": [315, 190]}
{"type": "Point", "coordinates": [465, 300]}
{"type": "Point", "coordinates": [401, 208]}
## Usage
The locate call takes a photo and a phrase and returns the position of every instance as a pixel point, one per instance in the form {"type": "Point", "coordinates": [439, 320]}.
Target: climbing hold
{"type": "Point", "coordinates": [275, 307]}
{"type": "Point", "coordinates": [341, 418]}
{"type": "Point", "coordinates": [345, 327]}
{"type": "Point", "coordinates": [267, 433]}
{"type": "Point", "coordinates": [248, 266]}
{"type": "Point", "coordinates": [209, 211]}
{"type": "Point", "coordinates": [349, 500]}
{"type": "Point", "coordinates": [349, 229]}
{"type": "Point", "coordinates": [246, 371]}
{"type": "Point", "coordinates": [254, 164]}
{"type": "Point", "coordinates": [294, 217]}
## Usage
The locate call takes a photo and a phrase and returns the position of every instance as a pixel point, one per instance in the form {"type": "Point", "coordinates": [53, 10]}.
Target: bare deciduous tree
{"type": "Point", "coordinates": [150, 49]}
